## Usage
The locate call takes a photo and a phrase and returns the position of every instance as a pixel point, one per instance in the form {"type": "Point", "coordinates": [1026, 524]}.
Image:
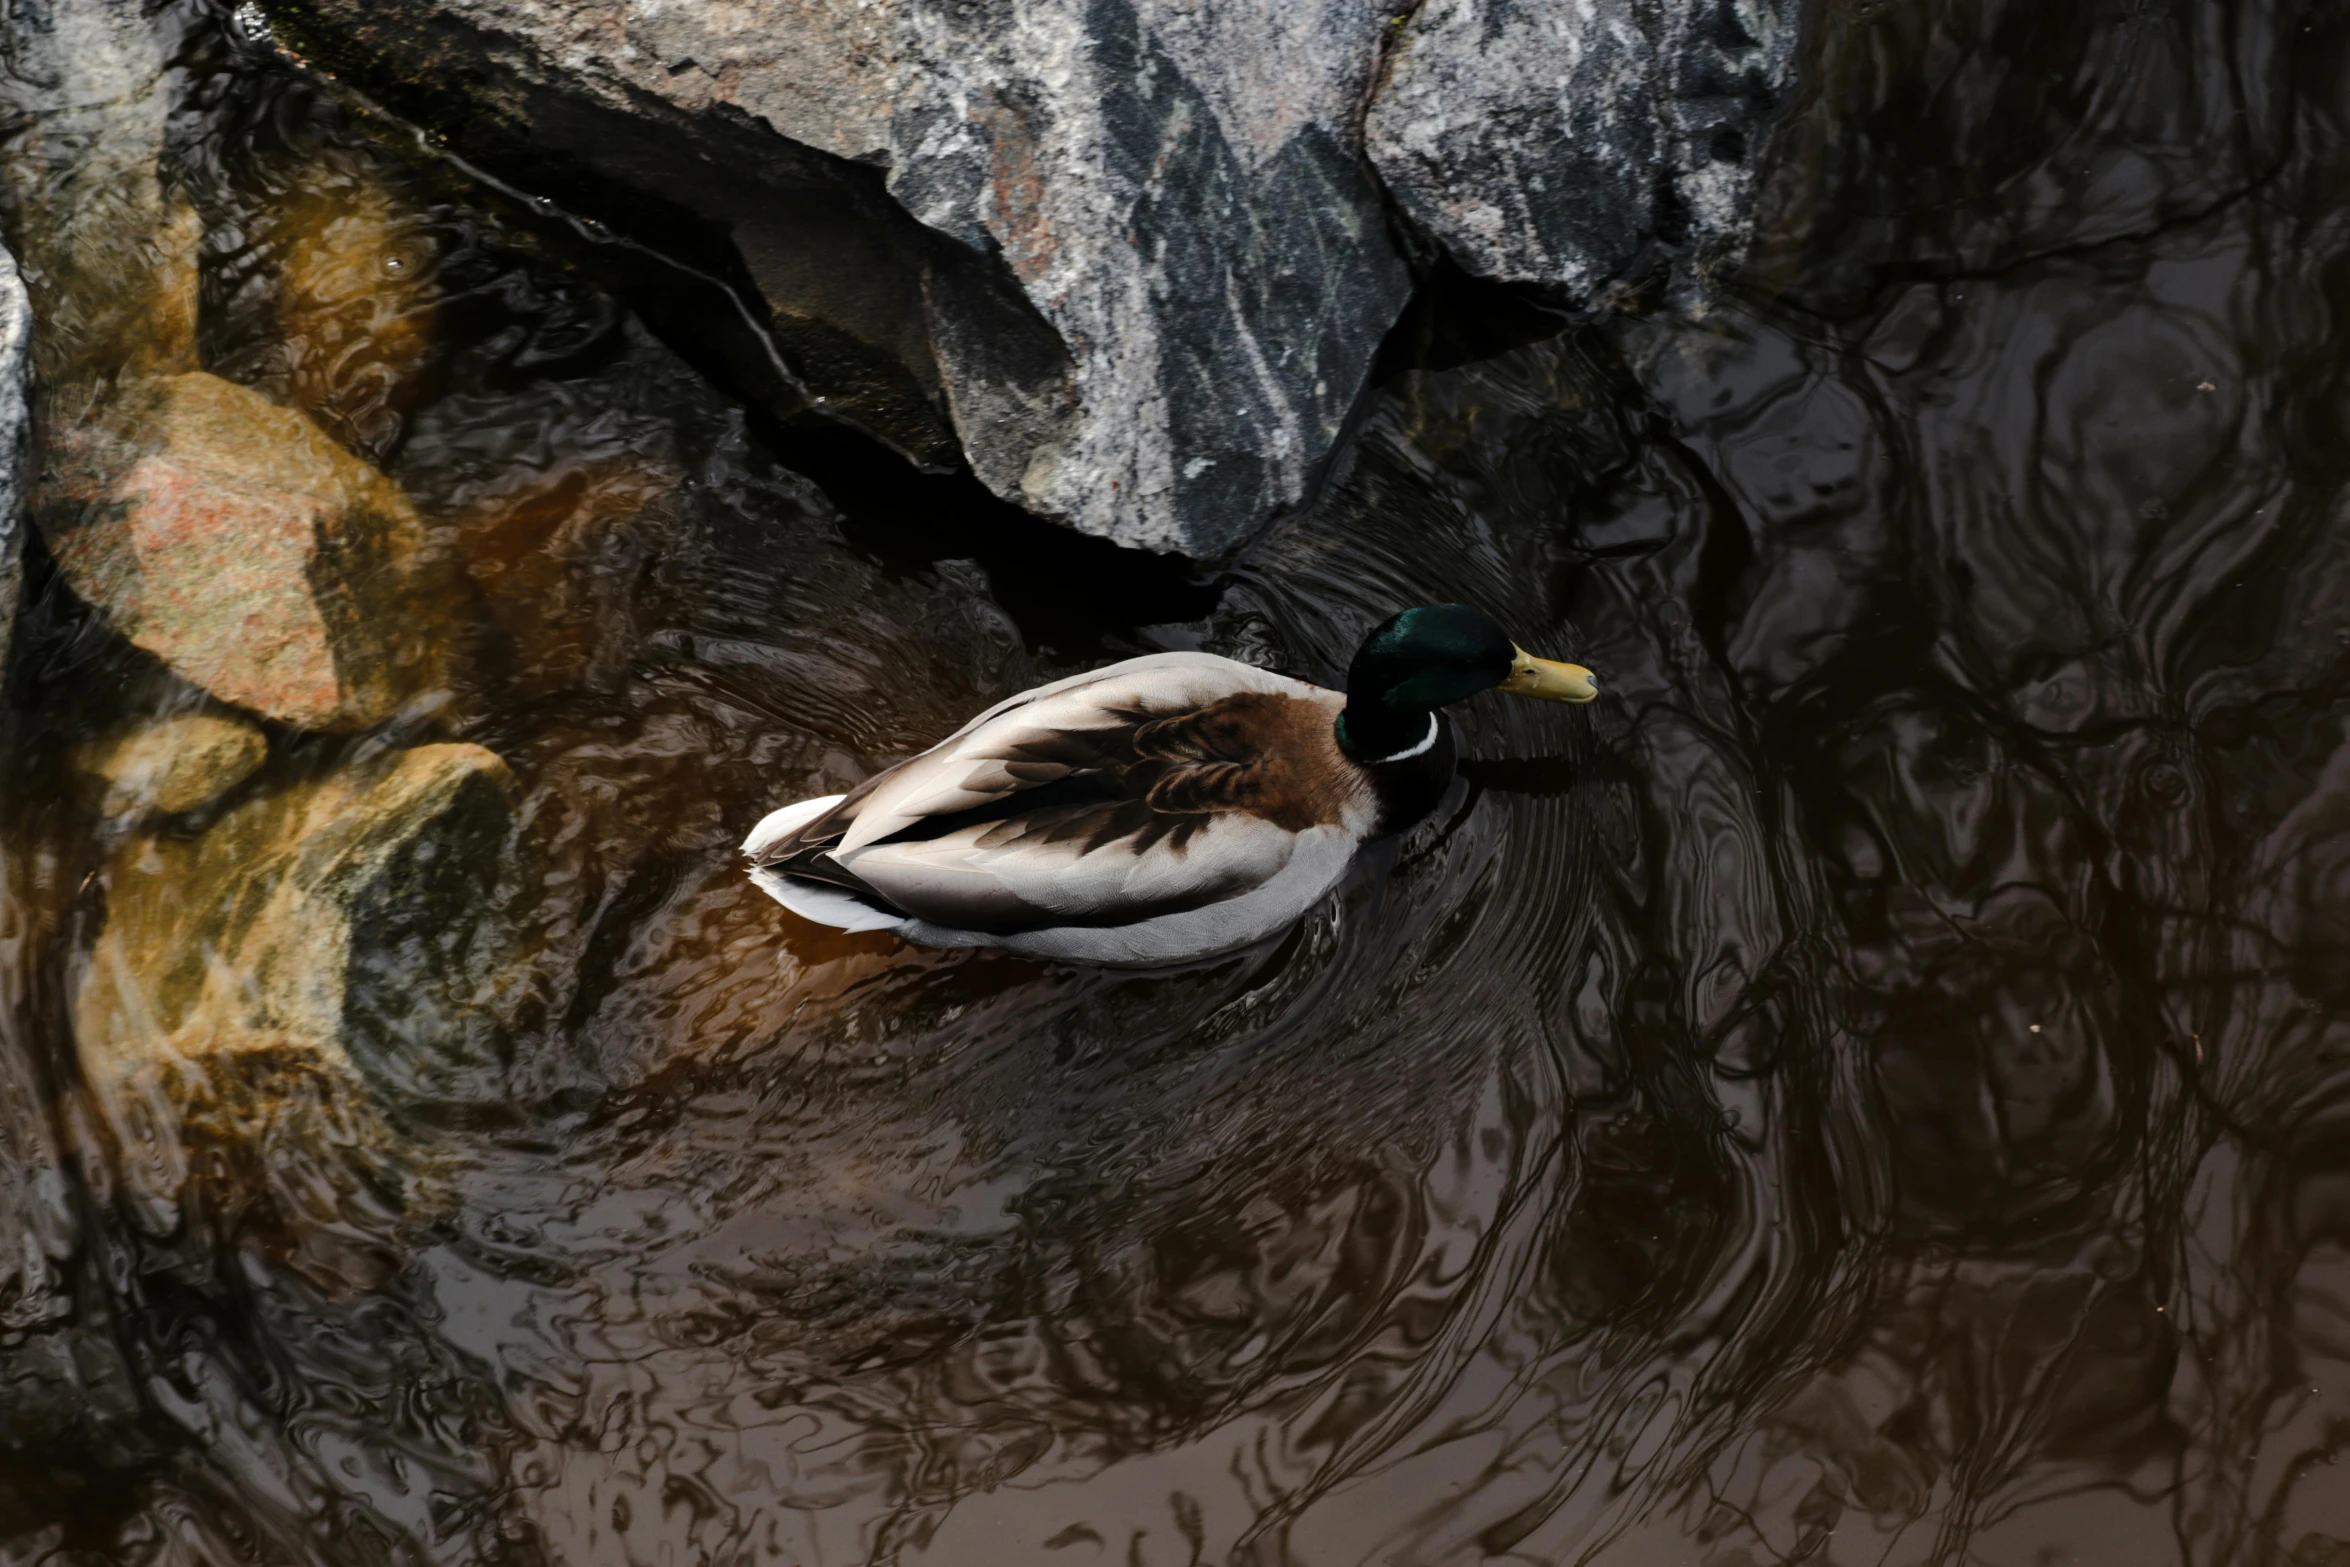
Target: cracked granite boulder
{"type": "Point", "coordinates": [1129, 249]}
{"type": "Point", "coordinates": [1128, 254]}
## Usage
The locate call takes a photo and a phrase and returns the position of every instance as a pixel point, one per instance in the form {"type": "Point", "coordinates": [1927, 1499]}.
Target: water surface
{"type": "Point", "coordinates": [1870, 1090]}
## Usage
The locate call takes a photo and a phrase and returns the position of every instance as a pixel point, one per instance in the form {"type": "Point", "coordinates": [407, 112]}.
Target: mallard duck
{"type": "Point", "coordinates": [1157, 811]}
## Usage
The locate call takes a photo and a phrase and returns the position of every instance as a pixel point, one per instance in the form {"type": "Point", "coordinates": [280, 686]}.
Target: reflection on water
{"type": "Point", "coordinates": [1871, 1090]}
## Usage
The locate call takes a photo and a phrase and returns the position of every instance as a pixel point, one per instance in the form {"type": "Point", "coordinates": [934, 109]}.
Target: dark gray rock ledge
{"type": "Point", "coordinates": [1134, 257]}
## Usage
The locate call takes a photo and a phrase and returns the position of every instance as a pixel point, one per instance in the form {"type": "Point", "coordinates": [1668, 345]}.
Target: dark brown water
{"type": "Point", "coordinates": [1875, 1089]}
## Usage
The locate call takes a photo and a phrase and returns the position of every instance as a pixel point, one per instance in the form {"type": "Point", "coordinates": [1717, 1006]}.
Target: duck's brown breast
{"type": "Point", "coordinates": [1270, 755]}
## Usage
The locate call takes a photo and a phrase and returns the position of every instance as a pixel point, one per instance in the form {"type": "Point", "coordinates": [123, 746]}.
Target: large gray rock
{"type": "Point", "coordinates": [1552, 142]}
{"type": "Point", "coordinates": [1131, 249]}
{"type": "Point", "coordinates": [1134, 245]}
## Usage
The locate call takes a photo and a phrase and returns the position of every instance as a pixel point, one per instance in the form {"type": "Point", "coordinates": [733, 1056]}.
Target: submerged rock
{"type": "Point", "coordinates": [1552, 144]}
{"type": "Point", "coordinates": [108, 248]}
{"type": "Point", "coordinates": [245, 931]}
{"type": "Point", "coordinates": [358, 303]}
{"type": "Point", "coordinates": [231, 993]}
{"type": "Point", "coordinates": [173, 766]}
{"type": "Point", "coordinates": [230, 538]}
{"type": "Point", "coordinates": [225, 534]}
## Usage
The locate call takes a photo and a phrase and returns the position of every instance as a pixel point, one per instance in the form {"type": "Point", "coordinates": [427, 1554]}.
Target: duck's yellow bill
{"type": "Point", "coordinates": [1531, 676]}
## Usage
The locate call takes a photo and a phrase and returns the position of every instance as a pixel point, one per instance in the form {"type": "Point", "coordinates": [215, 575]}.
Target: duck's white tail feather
{"type": "Point", "coordinates": [810, 900]}
{"type": "Point", "coordinates": [825, 905]}
{"type": "Point", "coordinates": [775, 826]}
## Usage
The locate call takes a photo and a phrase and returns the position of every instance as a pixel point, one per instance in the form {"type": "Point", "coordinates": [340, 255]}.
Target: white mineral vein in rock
{"type": "Point", "coordinates": [1175, 184]}
{"type": "Point", "coordinates": [1181, 189]}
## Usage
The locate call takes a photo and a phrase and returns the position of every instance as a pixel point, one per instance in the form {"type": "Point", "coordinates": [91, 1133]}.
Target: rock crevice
{"type": "Point", "coordinates": [1134, 257]}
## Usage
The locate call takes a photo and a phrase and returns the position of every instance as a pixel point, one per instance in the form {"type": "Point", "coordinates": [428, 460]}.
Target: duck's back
{"type": "Point", "coordinates": [1157, 810]}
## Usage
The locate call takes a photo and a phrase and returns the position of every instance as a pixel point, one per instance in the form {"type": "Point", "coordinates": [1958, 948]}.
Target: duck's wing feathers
{"type": "Point", "coordinates": [1151, 787]}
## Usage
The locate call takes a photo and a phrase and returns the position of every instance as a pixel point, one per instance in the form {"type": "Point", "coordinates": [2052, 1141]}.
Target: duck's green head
{"type": "Point", "coordinates": [1433, 655]}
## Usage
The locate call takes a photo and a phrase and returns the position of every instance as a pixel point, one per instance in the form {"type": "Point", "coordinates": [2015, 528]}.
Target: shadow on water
{"type": "Point", "coordinates": [1870, 1090]}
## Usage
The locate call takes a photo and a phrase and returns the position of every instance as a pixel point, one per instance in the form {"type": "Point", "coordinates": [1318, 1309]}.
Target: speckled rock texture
{"type": "Point", "coordinates": [1563, 143]}
{"type": "Point", "coordinates": [108, 249]}
{"type": "Point", "coordinates": [1153, 269]}
{"type": "Point", "coordinates": [172, 765]}
{"type": "Point", "coordinates": [16, 340]}
{"type": "Point", "coordinates": [1147, 261]}
{"type": "Point", "coordinates": [230, 538]}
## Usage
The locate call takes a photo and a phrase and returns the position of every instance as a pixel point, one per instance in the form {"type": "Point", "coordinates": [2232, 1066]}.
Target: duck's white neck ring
{"type": "Point", "coordinates": [1427, 743]}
